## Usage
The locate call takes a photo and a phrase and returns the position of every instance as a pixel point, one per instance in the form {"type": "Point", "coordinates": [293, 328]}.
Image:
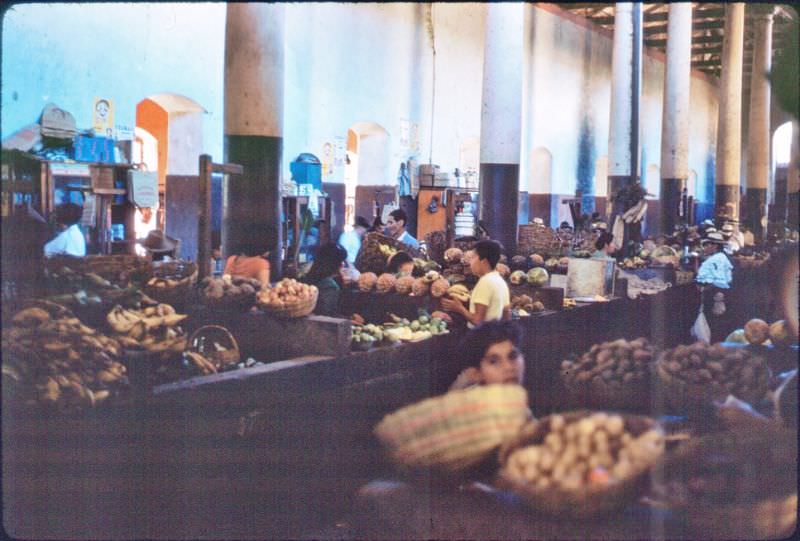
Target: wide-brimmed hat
{"type": "Point", "coordinates": [538, 221]}
{"type": "Point", "coordinates": [708, 222]}
{"type": "Point", "coordinates": [727, 228]}
{"type": "Point", "coordinates": [713, 238]}
{"type": "Point", "coordinates": [600, 225]}
{"type": "Point", "coordinates": [157, 242]}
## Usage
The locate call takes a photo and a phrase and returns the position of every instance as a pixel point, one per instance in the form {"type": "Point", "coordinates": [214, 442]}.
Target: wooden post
{"type": "Point", "coordinates": [204, 218]}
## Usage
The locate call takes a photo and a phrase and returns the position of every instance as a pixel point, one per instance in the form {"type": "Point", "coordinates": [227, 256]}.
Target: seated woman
{"type": "Point", "coordinates": [400, 264]}
{"type": "Point", "coordinates": [327, 264]}
{"type": "Point", "coordinates": [492, 355]}
{"type": "Point", "coordinates": [605, 246]}
{"type": "Point", "coordinates": [250, 262]}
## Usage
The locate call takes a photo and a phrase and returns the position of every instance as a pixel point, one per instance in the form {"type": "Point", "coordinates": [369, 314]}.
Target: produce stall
{"type": "Point", "coordinates": [280, 442]}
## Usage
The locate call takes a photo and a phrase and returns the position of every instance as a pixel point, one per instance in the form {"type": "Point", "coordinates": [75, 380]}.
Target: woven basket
{"type": "Point", "coordinates": [455, 431]}
{"type": "Point", "coordinates": [589, 501]}
{"type": "Point", "coordinates": [370, 258]}
{"type": "Point", "coordinates": [184, 276]}
{"type": "Point", "coordinates": [204, 341]}
{"type": "Point", "coordinates": [535, 238]}
{"type": "Point", "coordinates": [633, 396]}
{"type": "Point", "coordinates": [298, 309]}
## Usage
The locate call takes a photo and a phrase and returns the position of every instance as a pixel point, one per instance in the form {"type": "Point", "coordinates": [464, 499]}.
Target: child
{"type": "Point", "coordinates": [493, 356]}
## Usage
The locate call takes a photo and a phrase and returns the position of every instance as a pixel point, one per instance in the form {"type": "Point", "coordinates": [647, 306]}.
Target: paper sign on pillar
{"type": "Point", "coordinates": [143, 188]}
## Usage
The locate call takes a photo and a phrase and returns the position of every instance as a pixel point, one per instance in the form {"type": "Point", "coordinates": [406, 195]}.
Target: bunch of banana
{"type": "Point", "coordinates": [60, 362]}
{"type": "Point", "coordinates": [201, 362]}
{"type": "Point", "coordinates": [152, 329]}
{"type": "Point", "coordinates": [636, 213]}
{"type": "Point", "coordinates": [459, 292]}
{"type": "Point", "coordinates": [167, 282]}
{"type": "Point", "coordinates": [387, 250]}
{"type": "Point", "coordinates": [570, 302]}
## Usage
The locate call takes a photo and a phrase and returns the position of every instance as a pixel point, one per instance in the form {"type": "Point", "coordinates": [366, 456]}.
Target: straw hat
{"type": "Point", "coordinates": [713, 238]}
{"type": "Point", "coordinates": [157, 242]}
{"type": "Point", "coordinates": [538, 221]}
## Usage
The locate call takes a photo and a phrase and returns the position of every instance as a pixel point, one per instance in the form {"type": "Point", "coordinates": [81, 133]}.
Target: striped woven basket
{"type": "Point", "coordinates": [456, 431]}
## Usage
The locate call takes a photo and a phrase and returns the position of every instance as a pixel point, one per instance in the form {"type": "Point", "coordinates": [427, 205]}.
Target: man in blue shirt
{"type": "Point", "coordinates": [396, 226]}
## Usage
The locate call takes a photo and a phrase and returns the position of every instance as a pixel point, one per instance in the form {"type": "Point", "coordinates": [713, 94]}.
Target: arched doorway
{"type": "Point", "coordinates": [366, 165]}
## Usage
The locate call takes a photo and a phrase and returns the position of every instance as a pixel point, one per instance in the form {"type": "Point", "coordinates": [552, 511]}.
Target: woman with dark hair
{"type": "Point", "coordinates": [401, 264]}
{"type": "Point", "coordinates": [605, 246]}
{"type": "Point", "coordinates": [327, 264]}
{"type": "Point", "coordinates": [492, 355]}
{"type": "Point", "coordinates": [250, 262]}
{"type": "Point", "coordinates": [70, 240]}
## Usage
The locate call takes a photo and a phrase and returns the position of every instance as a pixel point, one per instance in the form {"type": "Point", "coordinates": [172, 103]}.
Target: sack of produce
{"type": "Point", "coordinates": [456, 431]}
{"type": "Point", "coordinates": [692, 377]}
{"type": "Point", "coordinates": [172, 282]}
{"type": "Point", "coordinates": [229, 293]}
{"type": "Point", "coordinates": [611, 375]}
{"type": "Point", "coordinates": [376, 249]}
{"type": "Point", "coordinates": [734, 484]}
{"type": "Point", "coordinates": [581, 464]}
{"type": "Point", "coordinates": [288, 299]}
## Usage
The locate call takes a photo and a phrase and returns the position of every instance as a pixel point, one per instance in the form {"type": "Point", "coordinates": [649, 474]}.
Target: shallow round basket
{"type": "Point", "coordinates": [183, 273]}
{"type": "Point", "coordinates": [589, 501]}
{"type": "Point", "coordinates": [456, 431]}
{"type": "Point", "coordinates": [216, 344]}
{"type": "Point", "coordinates": [298, 309]}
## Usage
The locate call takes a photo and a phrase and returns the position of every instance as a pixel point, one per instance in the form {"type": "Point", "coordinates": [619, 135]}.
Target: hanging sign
{"type": "Point", "coordinates": [143, 188]}
{"type": "Point", "coordinates": [103, 117]}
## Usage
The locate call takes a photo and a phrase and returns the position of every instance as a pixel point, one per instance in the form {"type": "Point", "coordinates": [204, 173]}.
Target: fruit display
{"type": "Point", "coordinates": [518, 262]}
{"type": "Point", "coordinates": [537, 260]}
{"type": "Point", "coordinates": [569, 303]}
{"type": "Point", "coordinates": [153, 329]}
{"type": "Point", "coordinates": [422, 267]}
{"type": "Point", "coordinates": [367, 281]}
{"type": "Point", "coordinates": [779, 333]}
{"type": "Point", "coordinates": [387, 250]}
{"type": "Point", "coordinates": [503, 270]}
{"type": "Point", "coordinates": [453, 255]}
{"type": "Point", "coordinates": [581, 463]}
{"type": "Point", "coordinates": [385, 283]}
{"type": "Point", "coordinates": [229, 291]}
{"type": "Point", "coordinates": [420, 287]}
{"type": "Point", "coordinates": [635, 262]}
{"type": "Point", "coordinates": [459, 292]}
{"type": "Point", "coordinates": [51, 359]}
{"type": "Point", "coordinates": [122, 270]}
{"type": "Point", "coordinates": [518, 277]}
{"type": "Point", "coordinates": [404, 284]}
{"type": "Point", "coordinates": [611, 375]}
{"type": "Point", "coordinates": [397, 330]}
{"type": "Point", "coordinates": [756, 331]}
{"type": "Point", "coordinates": [537, 277]}
{"type": "Point", "coordinates": [439, 287]}
{"type": "Point", "coordinates": [286, 293]}
{"type": "Point", "coordinates": [77, 290]}
{"type": "Point", "coordinates": [665, 256]}
{"type": "Point", "coordinates": [525, 305]}
{"type": "Point", "coordinates": [700, 373]}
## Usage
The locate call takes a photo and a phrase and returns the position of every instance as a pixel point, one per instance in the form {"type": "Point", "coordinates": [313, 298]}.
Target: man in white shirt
{"type": "Point", "coordinates": [714, 278]}
{"type": "Point", "coordinates": [351, 240]}
{"type": "Point", "coordinates": [71, 240]}
{"type": "Point", "coordinates": [491, 299]}
{"type": "Point", "coordinates": [396, 226]}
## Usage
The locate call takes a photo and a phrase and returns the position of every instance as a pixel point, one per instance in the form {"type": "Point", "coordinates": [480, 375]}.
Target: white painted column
{"type": "Point", "coordinates": [254, 77]}
{"type": "Point", "coordinates": [675, 114]}
{"type": "Point", "coordinates": [729, 126]}
{"type": "Point", "coordinates": [501, 121]}
{"type": "Point", "coordinates": [793, 179]}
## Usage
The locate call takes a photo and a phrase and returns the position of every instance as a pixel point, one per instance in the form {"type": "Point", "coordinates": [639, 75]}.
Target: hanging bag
{"type": "Point", "coordinates": [700, 329]}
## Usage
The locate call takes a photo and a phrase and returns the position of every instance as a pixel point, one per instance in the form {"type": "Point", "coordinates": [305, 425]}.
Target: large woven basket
{"type": "Point", "coordinates": [120, 269]}
{"type": "Point", "coordinates": [455, 431]}
{"type": "Point", "coordinates": [298, 309]}
{"type": "Point", "coordinates": [370, 258]}
{"type": "Point", "coordinates": [539, 239]}
{"type": "Point", "coordinates": [216, 344]}
{"type": "Point", "coordinates": [590, 500]}
{"type": "Point", "coordinates": [172, 282]}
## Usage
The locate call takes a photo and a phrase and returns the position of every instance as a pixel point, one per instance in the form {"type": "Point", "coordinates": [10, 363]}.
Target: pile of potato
{"type": "Point", "coordinates": [216, 289]}
{"type": "Point", "coordinates": [714, 371]}
{"type": "Point", "coordinates": [526, 305]}
{"type": "Point", "coordinates": [590, 451]}
{"type": "Point", "coordinates": [609, 367]}
{"type": "Point", "coordinates": [285, 293]}
{"type": "Point", "coordinates": [55, 361]}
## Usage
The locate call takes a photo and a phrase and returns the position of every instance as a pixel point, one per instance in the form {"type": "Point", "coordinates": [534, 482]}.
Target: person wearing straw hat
{"type": "Point", "coordinates": [159, 246]}
{"type": "Point", "coordinates": [714, 278]}
{"type": "Point", "coordinates": [732, 242]}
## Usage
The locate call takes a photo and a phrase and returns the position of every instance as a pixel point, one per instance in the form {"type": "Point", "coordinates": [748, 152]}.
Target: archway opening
{"type": "Point", "coordinates": [366, 164]}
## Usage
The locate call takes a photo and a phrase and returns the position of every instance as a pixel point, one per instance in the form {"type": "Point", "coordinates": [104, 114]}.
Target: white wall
{"type": "Point", "coordinates": [70, 53]}
{"type": "Point", "coordinates": [185, 143]}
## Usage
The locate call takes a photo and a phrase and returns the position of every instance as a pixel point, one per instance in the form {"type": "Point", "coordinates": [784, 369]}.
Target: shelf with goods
{"type": "Point", "coordinates": [293, 208]}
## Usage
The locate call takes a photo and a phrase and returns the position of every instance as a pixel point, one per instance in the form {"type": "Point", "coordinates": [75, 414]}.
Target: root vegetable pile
{"type": "Point", "coordinates": [611, 365]}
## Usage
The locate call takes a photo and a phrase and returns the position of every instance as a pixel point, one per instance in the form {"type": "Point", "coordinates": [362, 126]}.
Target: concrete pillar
{"type": "Point", "coordinates": [793, 179]}
{"type": "Point", "coordinates": [254, 66]}
{"type": "Point", "coordinates": [626, 77]}
{"type": "Point", "coordinates": [729, 126]}
{"type": "Point", "coordinates": [758, 138]}
{"type": "Point", "coordinates": [675, 114]}
{"type": "Point", "coordinates": [501, 121]}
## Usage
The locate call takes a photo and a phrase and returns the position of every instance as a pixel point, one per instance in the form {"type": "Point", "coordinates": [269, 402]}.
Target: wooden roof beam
{"type": "Point", "coordinates": [702, 25]}
{"type": "Point", "coordinates": [663, 16]}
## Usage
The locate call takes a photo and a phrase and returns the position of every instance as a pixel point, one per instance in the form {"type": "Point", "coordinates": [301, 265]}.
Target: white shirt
{"type": "Point", "coordinates": [350, 241]}
{"type": "Point", "coordinates": [69, 242]}
{"type": "Point", "coordinates": [406, 238]}
{"type": "Point", "coordinates": [491, 291]}
{"type": "Point", "coordinates": [716, 271]}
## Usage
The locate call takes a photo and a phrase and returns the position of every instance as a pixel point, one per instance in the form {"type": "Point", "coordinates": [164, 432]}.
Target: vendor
{"type": "Point", "coordinates": [490, 300]}
{"type": "Point", "coordinates": [323, 273]}
{"type": "Point", "coordinates": [492, 355]}
{"type": "Point", "coordinates": [70, 239]}
{"type": "Point", "coordinates": [396, 227]}
{"type": "Point", "coordinates": [250, 262]}
{"type": "Point", "coordinates": [351, 240]}
{"type": "Point", "coordinates": [400, 264]}
{"type": "Point", "coordinates": [160, 246]}
{"type": "Point", "coordinates": [604, 246]}
{"type": "Point", "coordinates": [714, 279]}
